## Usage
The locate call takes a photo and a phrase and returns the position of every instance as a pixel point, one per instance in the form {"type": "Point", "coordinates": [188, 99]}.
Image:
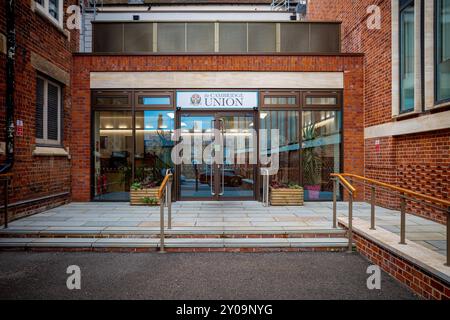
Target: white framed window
{"type": "Point", "coordinates": [52, 9]}
{"type": "Point", "coordinates": [48, 112]}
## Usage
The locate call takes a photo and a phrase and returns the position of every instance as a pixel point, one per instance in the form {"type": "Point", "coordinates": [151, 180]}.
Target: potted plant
{"type": "Point", "coordinates": [144, 193]}
{"type": "Point", "coordinates": [282, 194]}
{"type": "Point", "coordinates": [312, 164]}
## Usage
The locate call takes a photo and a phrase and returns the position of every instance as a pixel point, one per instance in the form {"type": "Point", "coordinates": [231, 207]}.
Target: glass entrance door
{"type": "Point", "coordinates": [221, 164]}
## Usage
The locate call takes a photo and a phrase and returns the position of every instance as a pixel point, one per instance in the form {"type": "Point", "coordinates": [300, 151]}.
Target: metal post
{"type": "Point", "coordinates": [350, 222]}
{"type": "Point", "coordinates": [266, 190]}
{"type": "Point", "coordinates": [169, 203]}
{"type": "Point", "coordinates": [161, 224]}
{"type": "Point", "coordinates": [448, 237]}
{"type": "Point", "coordinates": [402, 219]}
{"type": "Point", "coordinates": [335, 188]}
{"type": "Point", "coordinates": [6, 202]}
{"type": "Point", "coordinates": [372, 208]}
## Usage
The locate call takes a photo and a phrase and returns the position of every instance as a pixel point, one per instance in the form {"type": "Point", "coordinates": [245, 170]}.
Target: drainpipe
{"type": "Point", "coordinates": [11, 50]}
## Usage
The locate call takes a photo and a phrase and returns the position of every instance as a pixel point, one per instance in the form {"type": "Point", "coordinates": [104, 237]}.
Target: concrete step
{"type": "Point", "coordinates": [175, 244]}
{"type": "Point", "coordinates": [176, 232]}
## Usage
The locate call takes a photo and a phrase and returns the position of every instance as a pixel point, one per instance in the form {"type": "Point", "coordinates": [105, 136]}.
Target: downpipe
{"type": "Point", "coordinates": [10, 60]}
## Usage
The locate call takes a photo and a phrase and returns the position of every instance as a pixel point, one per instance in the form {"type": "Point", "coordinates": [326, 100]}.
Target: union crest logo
{"type": "Point", "coordinates": [196, 99]}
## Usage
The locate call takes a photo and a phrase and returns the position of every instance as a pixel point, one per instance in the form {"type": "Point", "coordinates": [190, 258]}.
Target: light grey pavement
{"type": "Point", "coordinates": [25, 275]}
{"type": "Point", "coordinates": [232, 215]}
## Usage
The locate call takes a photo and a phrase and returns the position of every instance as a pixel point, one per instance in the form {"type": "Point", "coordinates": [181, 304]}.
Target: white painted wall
{"type": "Point", "coordinates": [217, 80]}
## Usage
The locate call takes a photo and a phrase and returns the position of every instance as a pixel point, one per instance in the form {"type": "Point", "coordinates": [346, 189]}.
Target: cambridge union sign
{"type": "Point", "coordinates": [217, 99]}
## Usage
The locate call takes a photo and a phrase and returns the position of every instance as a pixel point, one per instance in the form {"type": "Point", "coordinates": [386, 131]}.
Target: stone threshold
{"type": "Point", "coordinates": [138, 232]}
{"type": "Point", "coordinates": [179, 243]}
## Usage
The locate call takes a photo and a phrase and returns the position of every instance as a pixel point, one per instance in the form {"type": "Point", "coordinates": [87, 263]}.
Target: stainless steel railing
{"type": "Point", "coordinates": [265, 183]}
{"type": "Point", "coordinates": [165, 200]}
{"type": "Point", "coordinates": [339, 179]}
{"type": "Point", "coordinates": [402, 193]}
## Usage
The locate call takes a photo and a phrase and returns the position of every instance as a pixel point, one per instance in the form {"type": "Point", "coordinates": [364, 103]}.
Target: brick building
{"type": "Point", "coordinates": [406, 144]}
{"type": "Point", "coordinates": [121, 82]}
{"type": "Point", "coordinates": [43, 65]}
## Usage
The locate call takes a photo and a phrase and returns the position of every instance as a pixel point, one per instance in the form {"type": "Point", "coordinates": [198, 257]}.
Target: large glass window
{"type": "Point", "coordinates": [154, 129]}
{"type": "Point", "coordinates": [406, 55]}
{"type": "Point", "coordinates": [443, 50]}
{"type": "Point", "coordinates": [112, 155]}
{"type": "Point", "coordinates": [287, 122]}
{"type": "Point", "coordinates": [321, 144]}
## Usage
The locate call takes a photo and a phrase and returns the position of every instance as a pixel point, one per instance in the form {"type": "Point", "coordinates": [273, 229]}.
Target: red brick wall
{"type": "Point", "coordinates": [418, 280]}
{"type": "Point", "coordinates": [36, 177]}
{"type": "Point", "coordinates": [376, 45]}
{"type": "Point", "coordinates": [84, 64]}
{"type": "Point", "coordinates": [417, 161]}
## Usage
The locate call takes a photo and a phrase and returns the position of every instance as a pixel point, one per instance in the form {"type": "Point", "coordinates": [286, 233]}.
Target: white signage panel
{"type": "Point", "coordinates": [217, 99]}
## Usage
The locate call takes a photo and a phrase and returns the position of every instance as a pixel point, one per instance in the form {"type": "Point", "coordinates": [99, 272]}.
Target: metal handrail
{"type": "Point", "coordinates": [399, 189]}
{"type": "Point", "coordinates": [404, 195]}
{"type": "Point", "coordinates": [339, 179]}
{"type": "Point", "coordinates": [265, 196]}
{"type": "Point", "coordinates": [165, 198]}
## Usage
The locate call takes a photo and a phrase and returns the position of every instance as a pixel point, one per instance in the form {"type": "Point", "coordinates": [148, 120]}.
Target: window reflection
{"type": "Point", "coordinates": [287, 124]}
{"type": "Point", "coordinates": [153, 145]}
{"type": "Point", "coordinates": [112, 155]}
{"type": "Point", "coordinates": [321, 140]}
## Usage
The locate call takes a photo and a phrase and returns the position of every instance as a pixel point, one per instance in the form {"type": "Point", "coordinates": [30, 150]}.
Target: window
{"type": "Point", "coordinates": [171, 37]}
{"type": "Point", "coordinates": [200, 37]}
{"type": "Point", "coordinates": [321, 152]}
{"type": "Point", "coordinates": [321, 99]}
{"type": "Point", "coordinates": [152, 100]}
{"type": "Point", "coordinates": [233, 37]}
{"type": "Point", "coordinates": [287, 122]}
{"type": "Point", "coordinates": [261, 37]}
{"type": "Point", "coordinates": [53, 9]}
{"type": "Point", "coordinates": [108, 37]}
{"type": "Point", "coordinates": [138, 37]}
{"type": "Point", "coordinates": [279, 100]}
{"type": "Point", "coordinates": [48, 112]}
{"type": "Point", "coordinates": [406, 55]}
{"type": "Point", "coordinates": [294, 37]}
{"type": "Point", "coordinates": [442, 50]}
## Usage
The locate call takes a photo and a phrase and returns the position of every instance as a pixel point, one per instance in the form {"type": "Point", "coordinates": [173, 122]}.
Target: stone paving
{"type": "Point", "coordinates": [220, 216]}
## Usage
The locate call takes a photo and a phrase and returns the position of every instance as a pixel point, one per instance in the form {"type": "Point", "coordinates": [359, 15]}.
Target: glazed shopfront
{"type": "Point", "coordinates": [135, 130]}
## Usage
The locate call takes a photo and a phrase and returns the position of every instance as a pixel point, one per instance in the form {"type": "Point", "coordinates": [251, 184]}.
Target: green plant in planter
{"type": "Point", "coordinates": [149, 200]}
{"type": "Point", "coordinates": [136, 186]}
{"type": "Point", "coordinates": [312, 162]}
{"type": "Point", "coordinates": [294, 186]}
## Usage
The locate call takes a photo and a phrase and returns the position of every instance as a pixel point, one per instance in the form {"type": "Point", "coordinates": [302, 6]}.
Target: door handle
{"type": "Point", "coordinates": [211, 166]}
{"type": "Point", "coordinates": [222, 128]}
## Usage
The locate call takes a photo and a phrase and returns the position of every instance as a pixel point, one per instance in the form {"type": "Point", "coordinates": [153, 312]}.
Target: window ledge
{"type": "Point", "coordinates": [439, 106]}
{"type": "Point", "coordinates": [51, 151]}
{"type": "Point", "coordinates": [42, 13]}
{"type": "Point", "coordinates": [406, 115]}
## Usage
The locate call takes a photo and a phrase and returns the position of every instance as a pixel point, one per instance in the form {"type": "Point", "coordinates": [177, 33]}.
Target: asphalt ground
{"type": "Point", "coordinates": [193, 276]}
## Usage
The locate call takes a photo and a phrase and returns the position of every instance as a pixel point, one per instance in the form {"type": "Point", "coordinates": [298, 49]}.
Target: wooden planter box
{"type": "Point", "coordinates": [286, 197]}
{"type": "Point", "coordinates": [136, 196]}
